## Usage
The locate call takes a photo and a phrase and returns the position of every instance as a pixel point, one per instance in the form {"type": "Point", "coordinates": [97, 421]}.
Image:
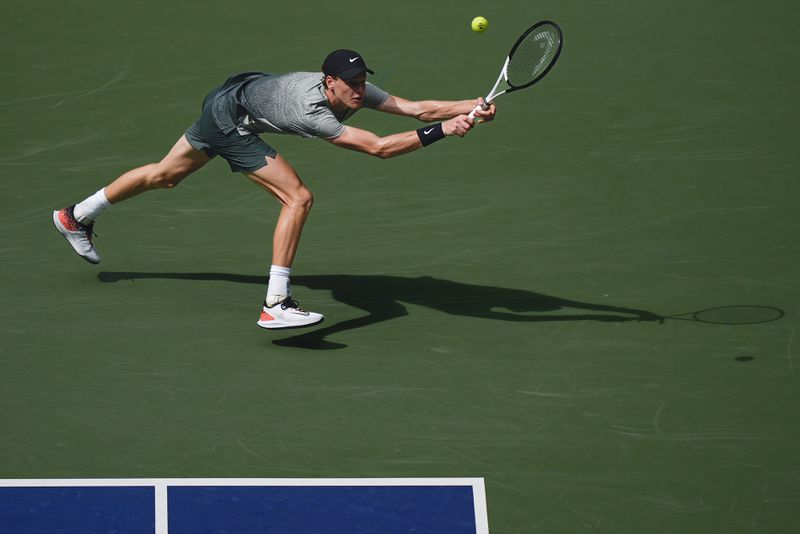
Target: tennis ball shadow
{"type": "Point", "coordinates": [382, 298]}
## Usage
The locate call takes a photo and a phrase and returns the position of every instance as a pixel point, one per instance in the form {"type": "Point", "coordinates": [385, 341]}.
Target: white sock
{"type": "Point", "coordinates": [279, 287]}
{"type": "Point", "coordinates": [92, 207]}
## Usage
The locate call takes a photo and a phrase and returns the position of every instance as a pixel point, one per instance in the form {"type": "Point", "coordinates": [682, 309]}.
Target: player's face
{"type": "Point", "coordinates": [349, 93]}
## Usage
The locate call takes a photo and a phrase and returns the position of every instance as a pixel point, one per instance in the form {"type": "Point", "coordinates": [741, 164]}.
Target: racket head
{"type": "Point", "coordinates": [533, 55]}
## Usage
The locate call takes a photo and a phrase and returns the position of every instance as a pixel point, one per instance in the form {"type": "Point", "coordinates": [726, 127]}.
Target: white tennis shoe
{"type": "Point", "coordinates": [78, 235]}
{"type": "Point", "coordinates": [287, 314]}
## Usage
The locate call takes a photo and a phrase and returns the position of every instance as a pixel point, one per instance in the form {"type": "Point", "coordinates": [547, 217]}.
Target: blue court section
{"type": "Point", "coordinates": [315, 509]}
{"type": "Point", "coordinates": [77, 510]}
{"type": "Point", "coordinates": [208, 507]}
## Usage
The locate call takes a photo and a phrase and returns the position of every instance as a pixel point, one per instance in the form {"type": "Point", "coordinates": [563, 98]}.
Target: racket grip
{"type": "Point", "coordinates": [477, 108]}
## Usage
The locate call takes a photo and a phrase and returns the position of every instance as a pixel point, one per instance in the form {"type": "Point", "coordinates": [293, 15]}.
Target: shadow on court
{"type": "Point", "coordinates": [382, 297]}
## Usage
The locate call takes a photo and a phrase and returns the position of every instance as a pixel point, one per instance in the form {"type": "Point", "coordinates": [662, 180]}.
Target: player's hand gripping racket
{"type": "Point", "coordinates": [531, 57]}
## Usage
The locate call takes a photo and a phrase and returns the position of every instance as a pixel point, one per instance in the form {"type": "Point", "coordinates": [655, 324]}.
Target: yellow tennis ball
{"type": "Point", "coordinates": [479, 24]}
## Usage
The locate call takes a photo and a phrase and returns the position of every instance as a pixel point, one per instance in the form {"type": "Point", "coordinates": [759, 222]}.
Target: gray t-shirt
{"type": "Point", "coordinates": [292, 103]}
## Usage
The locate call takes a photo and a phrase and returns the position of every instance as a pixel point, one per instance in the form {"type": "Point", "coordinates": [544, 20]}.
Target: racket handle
{"type": "Point", "coordinates": [477, 108]}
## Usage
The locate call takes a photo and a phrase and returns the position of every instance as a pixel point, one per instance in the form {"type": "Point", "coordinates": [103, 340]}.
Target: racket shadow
{"type": "Point", "coordinates": [737, 315]}
{"type": "Point", "coordinates": [382, 298]}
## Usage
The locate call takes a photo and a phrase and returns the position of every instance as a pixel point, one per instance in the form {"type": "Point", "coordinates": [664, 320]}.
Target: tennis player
{"type": "Point", "coordinates": [308, 104]}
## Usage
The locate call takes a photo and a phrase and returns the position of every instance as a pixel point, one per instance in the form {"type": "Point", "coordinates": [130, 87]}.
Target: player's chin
{"type": "Point", "coordinates": [356, 103]}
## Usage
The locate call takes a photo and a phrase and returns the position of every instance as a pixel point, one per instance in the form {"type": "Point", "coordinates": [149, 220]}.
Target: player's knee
{"type": "Point", "coordinates": [166, 178]}
{"type": "Point", "coordinates": [302, 200]}
{"type": "Point", "coordinates": [163, 181]}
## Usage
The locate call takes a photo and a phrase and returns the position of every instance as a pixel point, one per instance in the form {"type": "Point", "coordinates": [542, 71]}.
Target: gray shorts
{"type": "Point", "coordinates": [244, 153]}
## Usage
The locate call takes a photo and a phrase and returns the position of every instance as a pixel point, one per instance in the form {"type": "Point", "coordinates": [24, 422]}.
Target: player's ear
{"type": "Point", "coordinates": [328, 81]}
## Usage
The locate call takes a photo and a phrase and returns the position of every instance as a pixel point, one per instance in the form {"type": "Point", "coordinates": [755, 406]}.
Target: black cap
{"type": "Point", "coordinates": [344, 64]}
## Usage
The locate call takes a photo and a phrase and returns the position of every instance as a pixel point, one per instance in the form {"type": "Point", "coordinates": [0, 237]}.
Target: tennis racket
{"type": "Point", "coordinates": [530, 59]}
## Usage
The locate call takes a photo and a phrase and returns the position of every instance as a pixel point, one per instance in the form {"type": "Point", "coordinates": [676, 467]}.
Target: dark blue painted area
{"type": "Point", "coordinates": [321, 510]}
{"type": "Point", "coordinates": [77, 510]}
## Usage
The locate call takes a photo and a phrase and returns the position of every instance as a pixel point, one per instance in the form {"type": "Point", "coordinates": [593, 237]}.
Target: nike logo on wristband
{"type": "Point", "coordinates": [426, 132]}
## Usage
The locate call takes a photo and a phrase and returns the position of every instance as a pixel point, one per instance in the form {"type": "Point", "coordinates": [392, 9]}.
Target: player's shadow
{"type": "Point", "coordinates": [382, 298]}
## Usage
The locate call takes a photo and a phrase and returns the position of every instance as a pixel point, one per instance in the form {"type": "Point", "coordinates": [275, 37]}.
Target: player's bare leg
{"type": "Point", "coordinates": [180, 162]}
{"type": "Point", "coordinates": [280, 179]}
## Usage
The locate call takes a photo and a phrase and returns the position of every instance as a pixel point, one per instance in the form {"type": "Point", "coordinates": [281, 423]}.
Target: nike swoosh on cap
{"type": "Point", "coordinates": [353, 59]}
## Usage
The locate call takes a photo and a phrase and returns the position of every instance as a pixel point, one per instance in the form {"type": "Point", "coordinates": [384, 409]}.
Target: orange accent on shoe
{"type": "Point", "coordinates": [266, 317]}
{"type": "Point", "coordinates": [68, 222]}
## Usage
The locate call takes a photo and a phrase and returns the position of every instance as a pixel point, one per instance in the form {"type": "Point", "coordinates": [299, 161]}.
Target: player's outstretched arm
{"type": "Point", "coordinates": [401, 143]}
{"type": "Point", "coordinates": [435, 110]}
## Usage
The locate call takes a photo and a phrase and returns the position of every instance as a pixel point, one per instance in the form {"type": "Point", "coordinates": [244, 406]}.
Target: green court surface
{"type": "Point", "coordinates": [491, 303]}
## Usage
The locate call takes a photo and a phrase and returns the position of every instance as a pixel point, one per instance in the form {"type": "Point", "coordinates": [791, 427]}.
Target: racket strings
{"type": "Point", "coordinates": [533, 55]}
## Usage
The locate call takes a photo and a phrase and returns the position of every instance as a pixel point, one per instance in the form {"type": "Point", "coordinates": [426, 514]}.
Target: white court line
{"type": "Point", "coordinates": [162, 507]}
{"type": "Point", "coordinates": [479, 502]}
{"type": "Point", "coordinates": [161, 484]}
